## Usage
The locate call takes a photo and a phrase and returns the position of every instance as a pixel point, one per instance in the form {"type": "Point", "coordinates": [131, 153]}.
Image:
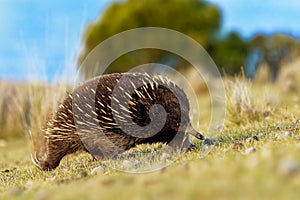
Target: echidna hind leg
{"type": "Point", "coordinates": [100, 147]}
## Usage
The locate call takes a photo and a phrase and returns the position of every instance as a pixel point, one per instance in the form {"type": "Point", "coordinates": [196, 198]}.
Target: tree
{"type": "Point", "coordinates": [230, 53]}
{"type": "Point", "coordinates": [196, 18]}
{"type": "Point", "coordinates": [274, 50]}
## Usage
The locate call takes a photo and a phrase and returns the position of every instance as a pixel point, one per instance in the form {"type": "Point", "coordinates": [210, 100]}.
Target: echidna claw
{"type": "Point", "coordinates": [35, 160]}
{"type": "Point", "coordinates": [199, 136]}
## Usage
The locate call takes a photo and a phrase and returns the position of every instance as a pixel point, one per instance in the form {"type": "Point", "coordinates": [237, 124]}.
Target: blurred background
{"type": "Point", "coordinates": [42, 40]}
{"type": "Point", "coordinates": [46, 42]}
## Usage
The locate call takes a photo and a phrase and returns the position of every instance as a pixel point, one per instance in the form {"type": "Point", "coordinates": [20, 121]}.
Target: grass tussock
{"type": "Point", "coordinates": [44, 101]}
{"type": "Point", "coordinates": [288, 79]}
{"type": "Point", "coordinates": [10, 125]}
{"type": "Point", "coordinates": [25, 108]}
{"type": "Point", "coordinates": [242, 106]}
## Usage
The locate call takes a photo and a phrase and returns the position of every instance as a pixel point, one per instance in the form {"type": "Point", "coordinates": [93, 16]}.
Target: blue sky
{"type": "Point", "coordinates": [256, 16]}
{"type": "Point", "coordinates": [41, 39]}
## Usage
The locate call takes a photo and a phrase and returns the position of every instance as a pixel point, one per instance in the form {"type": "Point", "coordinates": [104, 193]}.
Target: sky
{"type": "Point", "coordinates": [40, 40]}
{"type": "Point", "coordinates": [257, 16]}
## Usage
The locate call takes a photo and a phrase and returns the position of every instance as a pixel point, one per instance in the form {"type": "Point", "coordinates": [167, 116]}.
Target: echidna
{"type": "Point", "coordinates": [112, 113]}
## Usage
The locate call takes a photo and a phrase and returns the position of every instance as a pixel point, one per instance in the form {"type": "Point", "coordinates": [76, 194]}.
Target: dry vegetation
{"type": "Point", "coordinates": [24, 108]}
{"type": "Point", "coordinates": [256, 155]}
{"type": "Point", "coordinates": [242, 106]}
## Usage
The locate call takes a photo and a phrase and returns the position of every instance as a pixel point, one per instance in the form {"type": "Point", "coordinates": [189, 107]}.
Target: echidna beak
{"type": "Point", "coordinates": [190, 130]}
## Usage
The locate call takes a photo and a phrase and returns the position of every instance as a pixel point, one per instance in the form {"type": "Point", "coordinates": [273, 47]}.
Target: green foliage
{"type": "Point", "coordinates": [230, 53]}
{"type": "Point", "coordinates": [195, 18]}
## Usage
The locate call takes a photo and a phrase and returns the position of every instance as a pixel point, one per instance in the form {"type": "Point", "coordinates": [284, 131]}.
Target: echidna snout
{"type": "Point", "coordinates": [95, 115]}
{"type": "Point", "coordinates": [190, 130]}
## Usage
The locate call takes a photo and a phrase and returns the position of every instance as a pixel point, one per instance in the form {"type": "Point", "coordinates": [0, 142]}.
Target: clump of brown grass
{"type": "Point", "coordinates": [262, 75]}
{"type": "Point", "coordinates": [289, 76]}
{"type": "Point", "coordinates": [37, 103]}
{"type": "Point", "coordinates": [242, 106]}
{"type": "Point", "coordinates": [10, 125]}
{"type": "Point", "coordinates": [25, 108]}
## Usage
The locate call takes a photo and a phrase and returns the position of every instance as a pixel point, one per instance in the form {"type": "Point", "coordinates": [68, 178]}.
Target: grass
{"type": "Point", "coordinates": [243, 107]}
{"type": "Point", "coordinates": [237, 167]}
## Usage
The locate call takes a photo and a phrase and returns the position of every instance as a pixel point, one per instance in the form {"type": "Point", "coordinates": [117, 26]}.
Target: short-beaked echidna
{"type": "Point", "coordinates": [112, 113]}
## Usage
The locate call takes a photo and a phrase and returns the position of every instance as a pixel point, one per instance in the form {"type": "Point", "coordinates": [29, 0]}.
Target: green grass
{"type": "Point", "coordinates": [227, 172]}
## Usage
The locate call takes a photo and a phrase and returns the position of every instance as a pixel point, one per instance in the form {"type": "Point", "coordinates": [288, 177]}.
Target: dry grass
{"type": "Point", "coordinates": [9, 114]}
{"type": "Point", "coordinates": [242, 106]}
{"type": "Point", "coordinates": [288, 80]}
{"type": "Point", "coordinates": [26, 107]}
